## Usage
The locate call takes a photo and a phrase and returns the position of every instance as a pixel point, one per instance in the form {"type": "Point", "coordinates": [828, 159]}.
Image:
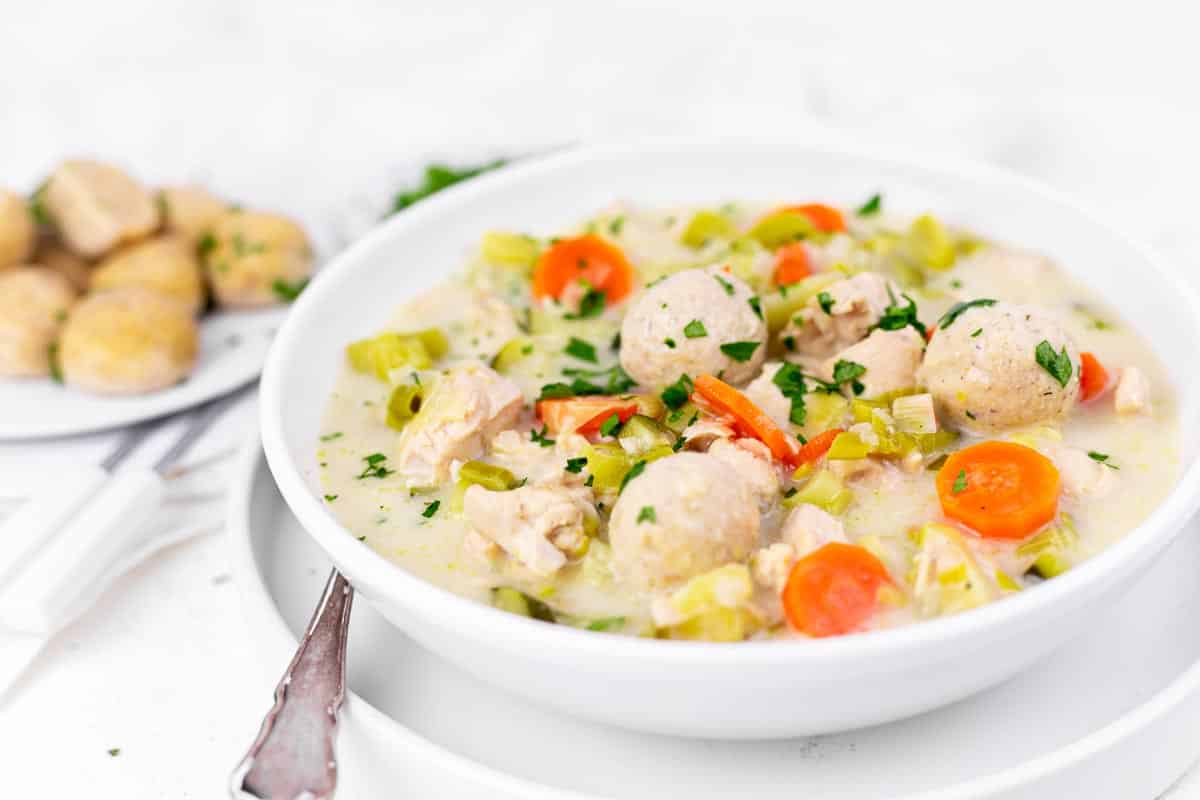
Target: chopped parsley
{"type": "Point", "coordinates": [870, 207]}
{"type": "Point", "coordinates": [541, 438]}
{"type": "Point", "coordinates": [957, 309]}
{"type": "Point", "coordinates": [726, 285]}
{"type": "Point", "coordinates": [647, 515]}
{"type": "Point", "coordinates": [790, 381]}
{"type": "Point", "coordinates": [590, 480]}
{"type": "Point", "coordinates": [375, 467]}
{"type": "Point", "coordinates": [825, 300]}
{"type": "Point", "coordinates": [960, 482]}
{"type": "Point", "coordinates": [615, 381]}
{"type": "Point", "coordinates": [576, 465]}
{"type": "Point", "coordinates": [675, 395]}
{"type": "Point", "coordinates": [288, 292]}
{"type": "Point", "coordinates": [790, 492]}
{"type": "Point", "coordinates": [606, 624]}
{"type": "Point", "coordinates": [634, 471]}
{"type": "Point", "coordinates": [56, 374]}
{"type": "Point", "coordinates": [615, 226]}
{"type": "Point", "coordinates": [976, 332]}
{"type": "Point", "coordinates": [611, 425]}
{"type": "Point", "coordinates": [590, 305]}
{"type": "Point", "coordinates": [896, 317]}
{"type": "Point", "coordinates": [206, 244]}
{"type": "Point", "coordinates": [553, 391]}
{"type": "Point", "coordinates": [1101, 458]}
{"type": "Point", "coordinates": [789, 343]}
{"type": "Point", "coordinates": [969, 414]}
{"type": "Point", "coordinates": [756, 304]}
{"type": "Point", "coordinates": [329, 437]}
{"type": "Point", "coordinates": [438, 177]}
{"type": "Point", "coordinates": [329, 498]}
{"type": "Point", "coordinates": [955, 284]}
{"type": "Point", "coordinates": [1057, 364]}
{"type": "Point", "coordinates": [739, 351]}
{"type": "Point", "coordinates": [695, 330]}
{"type": "Point", "coordinates": [431, 508]}
{"type": "Point", "coordinates": [114, 751]}
{"type": "Point", "coordinates": [678, 444]}
{"type": "Point", "coordinates": [669, 342]}
{"type": "Point", "coordinates": [849, 372]}
{"type": "Point", "coordinates": [584, 351]}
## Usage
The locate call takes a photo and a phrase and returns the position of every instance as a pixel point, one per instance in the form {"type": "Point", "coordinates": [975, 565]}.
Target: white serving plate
{"type": "Point", "coordinates": [748, 690]}
{"type": "Point", "coordinates": [233, 346]}
{"type": "Point", "coordinates": [1113, 714]}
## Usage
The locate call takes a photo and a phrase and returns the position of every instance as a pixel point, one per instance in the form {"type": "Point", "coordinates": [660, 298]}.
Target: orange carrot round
{"type": "Point", "coordinates": [749, 419]}
{"type": "Point", "coordinates": [817, 446]}
{"type": "Point", "coordinates": [791, 264]}
{"type": "Point", "coordinates": [1093, 377]}
{"type": "Point", "coordinates": [824, 218]}
{"type": "Point", "coordinates": [834, 590]}
{"type": "Point", "coordinates": [587, 258]}
{"type": "Point", "coordinates": [1001, 490]}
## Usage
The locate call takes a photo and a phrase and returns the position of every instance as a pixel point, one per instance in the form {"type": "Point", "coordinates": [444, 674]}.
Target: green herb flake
{"type": "Point", "coordinates": [956, 284]}
{"type": "Point", "coordinates": [825, 300]}
{"type": "Point", "coordinates": [695, 330]}
{"type": "Point", "coordinates": [960, 482]}
{"type": "Point", "coordinates": [590, 305]}
{"type": "Point", "coordinates": [871, 207]}
{"type": "Point", "coordinates": [1101, 458]}
{"type": "Point", "coordinates": [849, 372]}
{"type": "Point", "coordinates": [114, 751]}
{"type": "Point", "coordinates": [1058, 365]}
{"type": "Point", "coordinates": [897, 317]}
{"type": "Point", "coordinates": [615, 226]}
{"type": "Point", "coordinates": [756, 304]}
{"type": "Point", "coordinates": [438, 177]}
{"type": "Point", "coordinates": [669, 342]}
{"type": "Point", "coordinates": [576, 465]}
{"type": "Point", "coordinates": [578, 348]}
{"type": "Point", "coordinates": [431, 508]}
{"type": "Point", "coordinates": [611, 425]}
{"type": "Point", "coordinates": [288, 292]}
{"type": "Point", "coordinates": [329, 498]}
{"type": "Point", "coordinates": [647, 515]}
{"type": "Point", "coordinates": [726, 285]}
{"type": "Point", "coordinates": [675, 395]}
{"type": "Point", "coordinates": [957, 310]}
{"type": "Point", "coordinates": [541, 438]}
{"type": "Point", "coordinates": [329, 437]}
{"type": "Point", "coordinates": [976, 332]}
{"type": "Point", "coordinates": [607, 624]}
{"type": "Point", "coordinates": [790, 381]}
{"type": "Point", "coordinates": [739, 351]}
{"type": "Point", "coordinates": [634, 471]}
{"type": "Point", "coordinates": [375, 467]}
{"type": "Point", "coordinates": [615, 381]}
{"type": "Point", "coordinates": [969, 414]}
{"type": "Point", "coordinates": [552, 391]}
{"type": "Point", "coordinates": [789, 343]}
{"type": "Point", "coordinates": [206, 244]}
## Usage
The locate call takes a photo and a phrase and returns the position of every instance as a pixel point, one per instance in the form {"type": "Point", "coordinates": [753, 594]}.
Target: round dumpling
{"type": "Point", "coordinates": [33, 303]}
{"type": "Point", "coordinates": [17, 231]}
{"type": "Point", "coordinates": [255, 259]}
{"type": "Point", "coordinates": [53, 255]}
{"type": "Point", "coordinates": [190, 211]}
{"type": "Point", "coordinates": [695, 322]}
{"type": "Point", "coordinates": [166, 264]}
{"type": "Point", "coordinates": [1001, 366]}
{"type": "Point", "coordinates": [128, 341]}
{"type": "Point", "coordinates": [96, 207]}
{"type": "Point", "coordinates": [701, 515]}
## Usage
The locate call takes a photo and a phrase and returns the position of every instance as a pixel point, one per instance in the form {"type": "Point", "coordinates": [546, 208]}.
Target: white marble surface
{"type": "Point", "coordinates": [321, 109]}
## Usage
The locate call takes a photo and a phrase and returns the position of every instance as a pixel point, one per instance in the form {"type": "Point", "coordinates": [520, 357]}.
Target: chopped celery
{"type": "Point", "coordinates": [823, 411]}
{"type": "Point", "coordinates": [779, 307]}
{"type": "Point", "coordinates": [641, 433]}
{"type": "Point", "coordinates": [607, 463]}
{"type": "Point", "coordinates": [517, 602]}
{"type": "Point", "coordinates": [649, 405]}
{"type": "Point", "coordinates": [480, 473]}
{"type": "Point", "coordinates": [930, 443]}
{"type": "Point", "coordinates": [513, 351]}
{"type": "Point", "coordinates": [914, 414]}
{"type": "Point", "coordinates": [847, 446]}
{"type": "Point", "coordinates": [780, 228]}
{"type": "Point", "coordinates": [705, 226]}
{"type": "Point", "coordinates": [718, 625]}
{"type": "Point", "coordinates": [596, 566]}
{"type": "Point", "coordinates": [1052, 549]}
{"type": "Point", "coordinates": [714, 606]}
{"type": "Point", "coordinates": [657, 452]}
{"type": "Point", "coordinates": [680, 418]}
{"type": "Point", "coordinates": [1007, 582]}
{"type": "Point", "coordinates": [928, 244]}
{"type": "Point", "coordinates": [381, 354]}
{"type": "Point", "coordinates": [948, 578]}
{"type": "Point", "coordinates": [403, 405]}
{"type": "Point", "coordinates": [510, 249]}
{"type": "Point", "coordinates": [825, 491]}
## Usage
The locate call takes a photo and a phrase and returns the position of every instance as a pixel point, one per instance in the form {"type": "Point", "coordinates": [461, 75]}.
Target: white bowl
{"type": "Point", "coordinates": [752, 689]}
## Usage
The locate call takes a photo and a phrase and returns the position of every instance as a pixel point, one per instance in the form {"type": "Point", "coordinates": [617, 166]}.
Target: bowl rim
{"type": "Point", "coordinates": [511, 632]}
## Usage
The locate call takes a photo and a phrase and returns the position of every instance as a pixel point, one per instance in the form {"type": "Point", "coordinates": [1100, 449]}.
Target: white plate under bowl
{"type": "Point", "coordinates": [233, 346]}
{"type": "Point", "coordinates": [1113, 714]}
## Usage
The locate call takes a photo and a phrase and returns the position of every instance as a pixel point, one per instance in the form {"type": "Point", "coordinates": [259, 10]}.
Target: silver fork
{"type": "Point", "coordinates": [293, 756]}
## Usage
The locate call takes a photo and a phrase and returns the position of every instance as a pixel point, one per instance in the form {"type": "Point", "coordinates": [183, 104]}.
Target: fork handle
{"type": "Point", "coordinates": [293, 756]}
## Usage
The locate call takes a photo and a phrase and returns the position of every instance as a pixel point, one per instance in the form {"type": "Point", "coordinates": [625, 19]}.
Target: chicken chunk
{"type": "Point", "coordinates": [96, 207]}
{"type": "Point", "coordinates": [469, 404]}
{"type": "Point", "coordinates": [33, 305]}
{"type": "Point", "coordinates": [771, 565]}
{"type": "Point", "coordinates": [751, 460]}
{"type": "Point", "coordinates": [190, 211]}
{"type": "Point", "coordinates": [686, 514]}
{"type": "Point", "coordinates": [808, 527]}
{"type": "Point", "coordinates": [17, 231]}
{"type": "Point", "coordinates": [990, 370]}
{"type": "Point", "coordinates": [695, 322]}
{"type": "Point", "coordinates": [891, 359]}
{"type": "Point", "coordinates": [165, 264]}
{"type": "Point", "coordinates": [1132, 395]}
{"type": "Point", "coordinates": [856, 304]}
{"type": "Point", "coordinates": [537, 525]}
{"type": "Point", "coordinates": [1082, 475]}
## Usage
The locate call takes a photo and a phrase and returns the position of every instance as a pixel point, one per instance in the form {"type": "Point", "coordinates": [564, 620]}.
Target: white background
{"type": "Point", "coordinates": [322, 110]}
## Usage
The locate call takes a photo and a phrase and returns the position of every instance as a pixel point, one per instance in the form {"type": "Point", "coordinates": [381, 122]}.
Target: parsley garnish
{"type": "Point", "coordinates": [616, 381]}
{"type": "Point", "coordinates": [634, 471]}
{"type": "Point", "coordinates": [431, 508]}
{"type": "Point", "coordinates": [960, 482]}
{"type": "Point", "coordinates": [439, 177]}
{"type": "Point", "coordinates": [976, 332]}
{"type": "Point", "coordinates": [647, 515]}
{"type": "Point", "coordinates": [957, 309]}
{"type": "Point", "coordinates": [756, 304]}
{"type": "Point", "coordinates": [56, 374]}
{"type": "Point", "coordinates": [1101, 458]}
{"type": "Point", "coordinates": [825, 300]}
{"type": "Point", "coordinates": [606, 624]}
{"type": "Point", "coordinates": [375, 467]}
{"type": "Point", "coordinates": [576, 465]}
{"type": "Point", "coordinates": [206, 245]}
{"type": "Point", "coordinates": [114, 751]}
{"type": "Point", "coordinates": [675, 395]}
{"type": "Point", "coordinates": [611, 425]}
{"type": "Point", "coordinates": [329, 498]}
{"type": "Point", "coordinates": [969, 414]}
{"type": "Point", "coordinates": [584, 351]}
{"type": "Point", "coordinates": [870, 207]}
{"type": "Point", "coordinates": [590, 479]}
{"type": "Point", "coordinates": [789, 343]}
{"type": "Point", "coordinates": [288, 292]}
{"type": "Point", "coordinates": [739, 351]}
{"type": "Point", "coordinates": [726, 285]}
{"type": "Point", "coordinates": [849, 372]}
{"type": "Point", "coordinates": [669, 342]}
{"type": "Point", "coordinates": [790, 381]}
{"type": "Point", "coordinates": [1057, 364]}
{"type": "Point", "coordinates": [541, 438]}
{"type": "Point", "coordinates": [695, 330]}
{"type": "Point", "coordinates": [329, 437]}
{"type": "Point", "coordinates": [555, 390]}
{"type": "Point", "coordinates": [616, 225]}
{"type": "Point", "coordinates": [590, 305]}
{"type": "Point", "coordinates": [895, 317]}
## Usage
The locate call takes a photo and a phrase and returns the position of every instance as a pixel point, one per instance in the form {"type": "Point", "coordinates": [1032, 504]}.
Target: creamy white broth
{"type": "Point", "coordinates": [389, 516]}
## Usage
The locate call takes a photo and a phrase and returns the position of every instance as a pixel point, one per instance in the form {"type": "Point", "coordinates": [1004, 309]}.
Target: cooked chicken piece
{"type": "Point", "coordinates": [478, 547]}
{"type": "Point", "coordinates": [519, 454]}
{"type": "Point", "coordinates": [771, 565]}
{"type": "Point", "coordinates": [891, 359]}
{"type": "Point", "coordinates": [469, 404]}
{"type": "Point", "coordinates": [255, 259]}
{"type": "Point", "coordinates": [1082, 475]}
{"type": "Point", "coordinates": [856, 470]}
{"type": "Point", "coordinates": [679, 325]}
{"type": "Point", "coordinates": [767, 396]}
{"type": "Point", "coordinates": [33, 305]}
{"type": "Point", "coordinates": [96, 207]}
{"type": "Point", "coordinates": [51, 253]}
{"type": "Point", "coordinates": [808, 527]}
{"type": "Point", "coordinates": [751, 460]}
{"type": "Point", "coordinates": [128, 341]}
{"type": "Point", "coordinates": [537, 525]}
{"type": "Point", "coordinates": [18, 234]}
{"type": "Point", "coordinates": [856, 304]}
{"type": "Point", "coordinates": [190, 211]}
{"type": "Point", "coordinates": [165, 264]}
{"type": "Point", "coordinates": [984, 374]}
{"type": "Point", "coordinates": [1132, 395]}
{"type": "Point", "coordinates": [686, 514]}
{"type": "Point", "coordinates": [490, 323]}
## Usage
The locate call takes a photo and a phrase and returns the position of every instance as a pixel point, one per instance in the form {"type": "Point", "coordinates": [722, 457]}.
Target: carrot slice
{"type": "Point", "coordinates": [1001, 490]}
{"type": "Point", "coordinates": [588, 258]}
{"type": "Point", "coordinates": [791, 264]}
{"type": "Point", "coordinates": [817, 446]}
{"type": "Point", "coordinates": [834, 590]}
{"type": "Point", "coordinates": [584, 415]}
{"type": "Point", "coordinates": [1093, 377]}
{"type": "Point", "coordinates": [748, 419]}
{"type": "Point", "coordinates": [824, 218]}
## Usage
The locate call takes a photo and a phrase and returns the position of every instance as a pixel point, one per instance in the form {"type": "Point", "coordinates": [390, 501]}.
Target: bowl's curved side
{"type": "Point", "coordinates": [658, 685]}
